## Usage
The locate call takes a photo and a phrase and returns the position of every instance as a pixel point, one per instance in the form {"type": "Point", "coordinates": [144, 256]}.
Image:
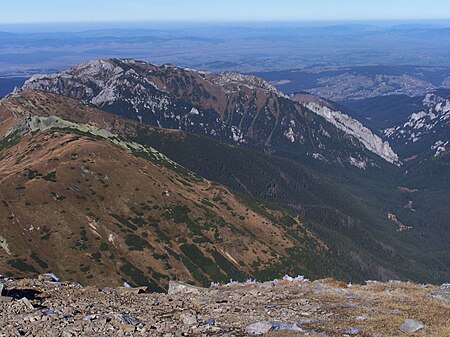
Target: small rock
{"type": "Point", "coordinates": [262, 327]}
{"type": "Point", "coordinates": [188, 318]}
{"type": "Point", "coordinates": [443, 292]}
{"type": "Point", "coordinates": [259, 328]}
{"type": "Point", "coordinates": [26, 303]}
{"type": "Point", "coordinates": [353, 331]}
{"type": "Point", "coordinates": [286, 326]}
{"type": "Point", "coordinates": [129, 320]}
{"type": "Point", "coordinates": [411, 325]}
{"type": "Point", "coordinates": [176, 287]}
{"type": "Point", "coordinates": [49, 277]}
{"type": "Point", "coordinates": [209, 321]}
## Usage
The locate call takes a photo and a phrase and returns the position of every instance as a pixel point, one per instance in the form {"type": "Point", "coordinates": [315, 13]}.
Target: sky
{"type": "Point", "coordinates": [48, 11]}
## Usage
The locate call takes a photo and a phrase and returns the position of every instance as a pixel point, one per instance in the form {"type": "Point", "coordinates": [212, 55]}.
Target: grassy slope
{"type": "Point", "coordinates": [348, 209]}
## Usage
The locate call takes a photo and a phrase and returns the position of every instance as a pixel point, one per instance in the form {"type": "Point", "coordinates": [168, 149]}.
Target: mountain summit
{"type": "Point", "coordinates": [240, 109]}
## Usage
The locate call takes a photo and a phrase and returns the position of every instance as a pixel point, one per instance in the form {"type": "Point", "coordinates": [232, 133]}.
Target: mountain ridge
{"type": "Point", "coordinates": [91, 205]}
{"type": "Point", "coordinates": [241, 109]}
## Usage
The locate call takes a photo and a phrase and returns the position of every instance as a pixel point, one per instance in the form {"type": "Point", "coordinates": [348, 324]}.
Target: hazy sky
{"type": "Point", "coordinates": [32, 11]}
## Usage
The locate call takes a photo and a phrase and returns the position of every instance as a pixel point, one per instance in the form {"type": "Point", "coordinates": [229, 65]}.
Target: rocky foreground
{"type": "Point", "coordinates": [287, 307]}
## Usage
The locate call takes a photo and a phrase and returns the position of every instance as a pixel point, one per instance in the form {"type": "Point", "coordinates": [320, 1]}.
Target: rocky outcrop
{"type": "Point", "coordinates": [424, 130]}
{"type": "Point", "coordinates": [352, 127]}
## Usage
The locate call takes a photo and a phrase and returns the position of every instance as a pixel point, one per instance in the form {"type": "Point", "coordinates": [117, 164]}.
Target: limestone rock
{"type": "Point", "coordinates": [176, 287]}
{"type": "Point", "coordinates": [411, 325]}
{"type": "Point", "coordinates": [259, 328]}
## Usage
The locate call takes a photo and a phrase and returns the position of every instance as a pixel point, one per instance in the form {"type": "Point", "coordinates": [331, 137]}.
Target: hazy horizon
{"type": "Point", "coordinates": [53, 11]}
{"type": "Point", "coordinates": [41, 27]}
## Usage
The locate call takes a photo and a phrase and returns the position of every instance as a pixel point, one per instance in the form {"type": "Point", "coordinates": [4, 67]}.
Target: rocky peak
{"type": "Point", "coordinates": [233, 107]}
{"type": "Point", "coordinates": [233, 80]}
{"type": "Point", "coordinates": [349, 125]}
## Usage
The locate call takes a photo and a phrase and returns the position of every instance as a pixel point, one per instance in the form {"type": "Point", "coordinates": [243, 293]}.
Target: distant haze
{"type": "Point", "coordinates": [28, 11]}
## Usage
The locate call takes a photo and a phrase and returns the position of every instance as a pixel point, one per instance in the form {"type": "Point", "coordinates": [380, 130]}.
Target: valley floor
{"type": "Point", "coordinates": [288, 307]}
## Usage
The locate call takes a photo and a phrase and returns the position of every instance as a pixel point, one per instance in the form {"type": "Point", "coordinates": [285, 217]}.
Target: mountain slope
{"type": "Point", "coordinates": [239, 109]}
{"type": "Point", "coordinates": [353, 240]}
{"type": "Point", "coordinates": [92, 206]}
{"type": "Point", "coordinates": [425, 130]}
{"type": "Point", "coordinates": [349, 125]}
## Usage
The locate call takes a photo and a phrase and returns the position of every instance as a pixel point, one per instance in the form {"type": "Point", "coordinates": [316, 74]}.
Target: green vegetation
{"type": "Point", "coordinates": [229, 268]}
{"type": "Point", "coordinates": [9, 140]}
{"type": "Point", "coordinates": [36, 259]}
{"type": "Point", "coordinates": [137, 276]}
{"type": "Point", "coordinates": [124, 221]}
{"type": "Point", "coordinates": [21, 265]}
{"type": "Point", "coordinates": [347, 208]}
{"type": "Point", "coordinates": [135, 242]}
{"type": "Point", "coordinates": [50, 177]}
{"type": "Point", "coordinates": [196, 256]}
{"type": "Point", "coordinates": [179, 214]}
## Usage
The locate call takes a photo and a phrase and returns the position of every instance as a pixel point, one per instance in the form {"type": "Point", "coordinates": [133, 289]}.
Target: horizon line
{"type": "Point", "coordinates": [149, 21]}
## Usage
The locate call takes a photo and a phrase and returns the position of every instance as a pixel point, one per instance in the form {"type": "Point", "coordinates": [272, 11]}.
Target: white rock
{"type": "Point", "coordinates": [176, 287]}
{"type": "Point", "coordinates": [411, 325]}
{"type": "Point", "coordinates": [354, 128]}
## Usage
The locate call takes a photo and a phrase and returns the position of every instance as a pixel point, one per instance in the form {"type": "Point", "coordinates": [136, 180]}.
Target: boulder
{"type": "Point", "coordinates": [176, 287]}
{"type": "Point", "coordinates": [259, 328]}
{"type": "Point", "coordinates": [411, 325]}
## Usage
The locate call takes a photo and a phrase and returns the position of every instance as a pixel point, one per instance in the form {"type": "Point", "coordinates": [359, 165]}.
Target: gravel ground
{"type": "Point", "coordinates": [289, 307]}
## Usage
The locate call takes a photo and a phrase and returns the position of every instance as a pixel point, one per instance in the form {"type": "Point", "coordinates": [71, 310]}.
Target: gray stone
{"type": "Point", "coordinates": [286, 326]}
{"type": "Point", "coordinates": [26, 303]}
{"type": "Point", "coordinates": [411, 325]}
{"type": "Point", "coordinates": [209, 321]}
{"type": "Point", "coordinates": [129, 320]}
{"type": "Point", "coordinates": [176, 287]}
{"type": "Point", "coordinates": [48, 277]}
{"type": "Point", "coordinates": [353, 331]}
{"type": "Point", "coordinates": [1, 288]}
{"type": "Point", "coordinates": [259, 328]}
{"type": "Point", "coordinates": [188, 318]}
{"type": "Point", "coordinates": [443, 292]}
